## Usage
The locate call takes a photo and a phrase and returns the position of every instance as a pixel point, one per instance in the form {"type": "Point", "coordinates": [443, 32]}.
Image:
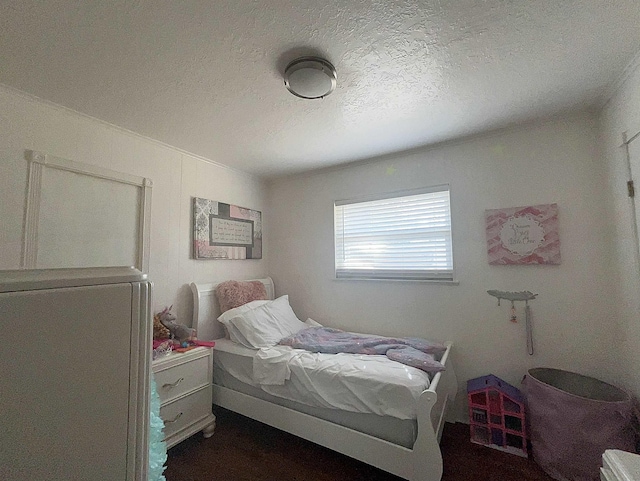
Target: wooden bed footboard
{"type": "Point", "coordinates": [422, 463]}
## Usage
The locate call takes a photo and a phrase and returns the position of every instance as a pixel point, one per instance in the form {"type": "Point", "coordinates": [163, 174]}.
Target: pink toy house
{"type": "Point", "coordinates": [496, 414]}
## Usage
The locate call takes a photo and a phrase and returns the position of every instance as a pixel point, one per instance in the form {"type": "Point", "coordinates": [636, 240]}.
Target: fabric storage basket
{"type": "Point", "coordinates": [573, 419]}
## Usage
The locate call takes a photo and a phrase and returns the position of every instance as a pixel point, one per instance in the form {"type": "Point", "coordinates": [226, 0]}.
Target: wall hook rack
{"type": "Point", "coordinates": [525, 296]}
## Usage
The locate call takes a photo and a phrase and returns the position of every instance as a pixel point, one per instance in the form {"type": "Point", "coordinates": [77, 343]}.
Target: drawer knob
{"type": "Point", "coordinates": [172, 385]}
{"type": "Point", "coordinates": [174, 419]}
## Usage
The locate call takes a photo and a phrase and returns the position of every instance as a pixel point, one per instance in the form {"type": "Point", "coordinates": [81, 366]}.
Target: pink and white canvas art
{"type": "Point", "coordinates": [523, 235]}
{"type": "Point", "coordinates": [225, 231]}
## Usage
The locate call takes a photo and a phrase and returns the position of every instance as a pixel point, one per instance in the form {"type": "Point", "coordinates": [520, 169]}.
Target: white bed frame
{"type": "Point", "coordinates": [422, 463]}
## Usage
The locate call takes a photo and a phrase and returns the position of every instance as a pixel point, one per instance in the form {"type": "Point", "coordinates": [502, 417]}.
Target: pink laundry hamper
{"type": "Point", "coordinates": [573, 419]}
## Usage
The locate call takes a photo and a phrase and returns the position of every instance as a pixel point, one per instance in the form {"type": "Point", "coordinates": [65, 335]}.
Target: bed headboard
{"type": "Point", "coordinates": [206, 309]}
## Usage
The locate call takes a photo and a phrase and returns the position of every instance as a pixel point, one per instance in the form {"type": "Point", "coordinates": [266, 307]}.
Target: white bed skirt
{"type": "Point", "coordinates": [398, 431]}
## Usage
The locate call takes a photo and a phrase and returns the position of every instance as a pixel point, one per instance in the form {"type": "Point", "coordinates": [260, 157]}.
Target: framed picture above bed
{"type": "Point", "coordinates": [225, 231]}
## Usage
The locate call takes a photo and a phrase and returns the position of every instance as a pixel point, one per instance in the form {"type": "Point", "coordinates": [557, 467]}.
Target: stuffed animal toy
{"type": "Point", "coordinates": [178, 331]}
{"type": "Point", "coordinates": [159, 331]}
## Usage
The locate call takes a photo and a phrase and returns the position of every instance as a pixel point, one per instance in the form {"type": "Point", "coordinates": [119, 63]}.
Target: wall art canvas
{"type": "Point", "coordinates": [225, 231]}
{"type": "Point", "coordinates": [523, 235]}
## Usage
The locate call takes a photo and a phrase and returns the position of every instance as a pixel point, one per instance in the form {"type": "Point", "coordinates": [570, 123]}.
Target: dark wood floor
{"type": "Point", "coordinates": [245, 450]}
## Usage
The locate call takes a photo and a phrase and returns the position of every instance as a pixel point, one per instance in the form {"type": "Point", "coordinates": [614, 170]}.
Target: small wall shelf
{"type": "Point", "coordinates": [496, 415]}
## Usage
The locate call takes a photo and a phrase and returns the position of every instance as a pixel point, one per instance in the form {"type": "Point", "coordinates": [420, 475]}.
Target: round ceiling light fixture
{"type": "Point", "coordinates": [310, 77]}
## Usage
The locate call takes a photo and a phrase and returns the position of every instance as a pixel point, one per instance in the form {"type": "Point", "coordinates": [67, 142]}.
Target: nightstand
{"type": "Point", "coordinates": [184, 386]}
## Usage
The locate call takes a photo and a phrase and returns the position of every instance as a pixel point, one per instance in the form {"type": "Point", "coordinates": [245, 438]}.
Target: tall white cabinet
{"type": "Point", "coordinates": [75, 360]}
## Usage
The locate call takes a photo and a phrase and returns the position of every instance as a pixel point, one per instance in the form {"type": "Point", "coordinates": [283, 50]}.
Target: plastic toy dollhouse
{"type": "Point", "coordinates": [496, 414]}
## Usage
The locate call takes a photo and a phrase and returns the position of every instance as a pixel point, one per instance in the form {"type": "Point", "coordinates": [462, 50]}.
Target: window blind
{"type": "Point", "coordinates": [406, 236]}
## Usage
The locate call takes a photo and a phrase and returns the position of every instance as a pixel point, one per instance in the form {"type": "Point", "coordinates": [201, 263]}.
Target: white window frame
{"type": "Point", "coordinates": [441, 274]}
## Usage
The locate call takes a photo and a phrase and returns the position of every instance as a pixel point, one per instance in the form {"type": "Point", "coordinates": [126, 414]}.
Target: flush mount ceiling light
{"type": "Point", "coordinates": [310, 77]}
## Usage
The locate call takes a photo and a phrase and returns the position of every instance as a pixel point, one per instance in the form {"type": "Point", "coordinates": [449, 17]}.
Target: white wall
{"type": "Point", "coordinates": [622, 114]}
{"type": "Point", "coordinates": [556, 161]}
{"type": "Point", "coordinates": [576, 316]}
{"type": "Point", "coordinates": [27, 123]}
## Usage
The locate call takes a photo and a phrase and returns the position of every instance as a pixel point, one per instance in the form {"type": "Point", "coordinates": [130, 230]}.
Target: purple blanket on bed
{"type": "Point", "coordinates": [411, 351]}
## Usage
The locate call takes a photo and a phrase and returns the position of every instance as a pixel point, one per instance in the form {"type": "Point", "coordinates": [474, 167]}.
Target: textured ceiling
{"type": "Point", "coordinates": [206, 77]}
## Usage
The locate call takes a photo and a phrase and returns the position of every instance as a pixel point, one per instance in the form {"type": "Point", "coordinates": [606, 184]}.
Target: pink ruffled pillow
{"type": "Point", "coordinates": [233, 294]}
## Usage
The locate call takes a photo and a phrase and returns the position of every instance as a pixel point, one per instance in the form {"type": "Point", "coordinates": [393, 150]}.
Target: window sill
{"type": "Point", "coordinates": [453, 282]}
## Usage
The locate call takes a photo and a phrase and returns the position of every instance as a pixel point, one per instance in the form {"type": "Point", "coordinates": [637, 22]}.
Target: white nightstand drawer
{"type": "Point", "coordinates": [183, 381]}
{"type": "Point", "coordinates": [185, 411]}
{"type": "Point", "coordinates": [182, 378]}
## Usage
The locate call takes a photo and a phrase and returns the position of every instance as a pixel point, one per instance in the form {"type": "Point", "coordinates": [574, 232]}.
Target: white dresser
{"type": "Point", "coordinates": [620, 466]}
{"type": "Point", "coordinates": [75, 374]}
{"type": "Point", "coordinates": [184, 386]}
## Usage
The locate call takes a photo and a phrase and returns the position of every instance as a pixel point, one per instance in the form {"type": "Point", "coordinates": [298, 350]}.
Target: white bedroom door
{"type": "Point", "coordinates": [634, 163]}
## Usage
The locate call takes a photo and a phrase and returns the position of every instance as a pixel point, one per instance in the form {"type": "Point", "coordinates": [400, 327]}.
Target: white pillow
{"type": "Point", "coordinates": [311, 323]}
{"type": "Point", "coordinates": [235, 335]}
{"type": "Point", "coordinates": [226, 316]}
{"type": "Point", "coordinates": [265, 325]}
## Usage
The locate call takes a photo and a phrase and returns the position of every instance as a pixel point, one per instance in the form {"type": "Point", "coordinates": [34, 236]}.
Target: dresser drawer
{"type": "Point", "coordinates": [182, 413]}
{"type": "Point", "coordinates": [177, 380]}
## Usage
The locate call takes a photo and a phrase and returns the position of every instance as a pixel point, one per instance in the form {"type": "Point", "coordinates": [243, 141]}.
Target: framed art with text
{"type": "Point", "coordinates": [225, 231]}
{"type": "Point", "coordinates": [523, 235]}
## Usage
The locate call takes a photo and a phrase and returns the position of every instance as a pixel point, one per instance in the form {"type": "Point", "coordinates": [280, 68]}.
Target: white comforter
{"type": "Point", "coordinates": [351, 382]}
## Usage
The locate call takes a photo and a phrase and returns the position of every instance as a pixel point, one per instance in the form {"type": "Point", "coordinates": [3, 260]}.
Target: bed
{"type": "Point", "coordinates": [400, 439]}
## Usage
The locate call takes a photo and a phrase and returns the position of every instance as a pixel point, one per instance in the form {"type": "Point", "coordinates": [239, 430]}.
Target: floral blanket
{"type": "Point", "coordinates": [411, 351]}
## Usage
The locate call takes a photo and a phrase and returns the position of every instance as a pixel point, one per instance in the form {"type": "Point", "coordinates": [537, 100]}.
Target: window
{"type": "Point", "coordinates": [404, 235]}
